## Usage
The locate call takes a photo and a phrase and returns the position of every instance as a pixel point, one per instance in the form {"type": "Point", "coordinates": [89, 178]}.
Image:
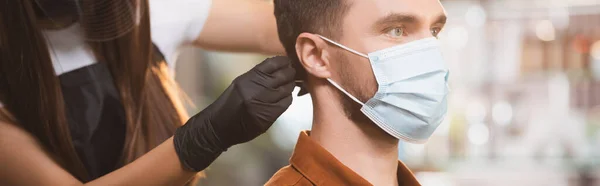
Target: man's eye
{"type": "Point", "coordinates": [396, 32]}
{"type": "Point", "coordinates": [435, 31]}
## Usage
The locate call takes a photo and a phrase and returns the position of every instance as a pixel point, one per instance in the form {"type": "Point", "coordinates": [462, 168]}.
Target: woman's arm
{"type": "Point", "coordinates": [241, 26]}
{"type": "Point", "coordinates": [245, 110]}
{"type": "Point", "coordinates": [24, 162]}
{"type": "Point", "coordinates": [161, 166]}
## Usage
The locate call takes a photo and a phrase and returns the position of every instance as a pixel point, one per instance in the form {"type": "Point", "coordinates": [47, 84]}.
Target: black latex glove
{"type": "Point", "coordinates": [244, 111]}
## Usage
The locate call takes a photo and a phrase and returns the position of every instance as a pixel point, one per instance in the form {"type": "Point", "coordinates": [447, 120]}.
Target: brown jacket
{"type": "Point", "coordinates": [311, 165]}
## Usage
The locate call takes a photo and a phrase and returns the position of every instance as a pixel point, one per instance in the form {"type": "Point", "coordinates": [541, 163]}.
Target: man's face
{"type": "Point", "coordinates": [372, 25]}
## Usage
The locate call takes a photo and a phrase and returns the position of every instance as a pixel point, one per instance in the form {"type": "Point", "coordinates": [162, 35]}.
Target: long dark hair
{"type": "Point", "coordinates": [32, 97]}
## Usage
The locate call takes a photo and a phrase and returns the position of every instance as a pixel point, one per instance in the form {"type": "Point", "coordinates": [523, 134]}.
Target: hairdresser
{"type": "Point", "coordinates": [87, 98]}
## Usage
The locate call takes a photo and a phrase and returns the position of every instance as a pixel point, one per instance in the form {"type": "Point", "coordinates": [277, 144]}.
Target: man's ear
{"type": "Point", "coordinates": [310, 49]}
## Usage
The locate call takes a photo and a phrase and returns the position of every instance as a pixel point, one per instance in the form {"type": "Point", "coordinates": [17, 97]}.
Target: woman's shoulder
{"type": "Point", "coordinates": [9, 130]}
{"type": "Point", "coordinates": [22, 154]}
{"type": "Point", "coordinates": [11, 133]}
{"type": "Point", "coordinates": [5, 115]}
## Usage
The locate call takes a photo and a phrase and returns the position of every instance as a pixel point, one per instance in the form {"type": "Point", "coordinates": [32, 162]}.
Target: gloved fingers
{"type": "Point", "coordinates": [275, 95]}
{"type": "Point", "coordinates": [281, 77]}
{"type": "Point", "coordinates": [273, 64]}
{"type": "Point", "coordinates": [286, 102]}
{"type": "Point", "coordinates": [267, 113]}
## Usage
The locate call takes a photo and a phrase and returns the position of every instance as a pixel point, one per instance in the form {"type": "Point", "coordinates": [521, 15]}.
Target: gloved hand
{"type": "Point", "coordinates": [244, 111]}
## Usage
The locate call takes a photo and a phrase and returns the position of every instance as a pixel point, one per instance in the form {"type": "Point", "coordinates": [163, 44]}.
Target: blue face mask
{"type": "Point", "coordinates": [411, 101]}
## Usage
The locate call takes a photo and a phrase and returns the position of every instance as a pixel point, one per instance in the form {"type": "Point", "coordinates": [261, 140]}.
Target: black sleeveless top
{"type": "Point", "coordinates": [96, 117]}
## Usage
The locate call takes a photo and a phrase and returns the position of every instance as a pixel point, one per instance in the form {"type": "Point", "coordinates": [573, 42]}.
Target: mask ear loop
{"type": "Point", "coordinates": [344, 47]}
{"type": "Point", "coordinates": [333, 82]}
{"type": "Point", "coordinates": [345, 92]}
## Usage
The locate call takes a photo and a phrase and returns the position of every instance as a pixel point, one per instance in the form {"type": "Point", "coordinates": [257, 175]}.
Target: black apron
{"type": "Point", "coordinates": [96, 116]}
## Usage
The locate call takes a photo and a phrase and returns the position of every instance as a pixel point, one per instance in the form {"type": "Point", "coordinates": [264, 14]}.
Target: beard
{"type": "Point", "coordinates": [357, 88]}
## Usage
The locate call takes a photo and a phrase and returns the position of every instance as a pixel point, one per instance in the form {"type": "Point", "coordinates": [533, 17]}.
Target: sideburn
{"type": "Point", "coordinates": [349, 83]}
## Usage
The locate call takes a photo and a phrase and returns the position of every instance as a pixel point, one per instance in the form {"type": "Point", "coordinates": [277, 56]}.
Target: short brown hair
{"type": "Point", "coordinates": [313, 16]}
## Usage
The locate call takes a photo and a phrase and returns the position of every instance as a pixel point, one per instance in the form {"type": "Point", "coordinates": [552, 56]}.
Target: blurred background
{"type": "Point", "coordinates": [524, 105]}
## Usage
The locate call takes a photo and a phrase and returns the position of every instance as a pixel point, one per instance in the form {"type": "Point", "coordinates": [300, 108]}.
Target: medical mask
{"type": "Point", "coordinates": [411, 100]}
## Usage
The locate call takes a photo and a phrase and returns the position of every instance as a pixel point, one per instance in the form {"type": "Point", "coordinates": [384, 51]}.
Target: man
{"type": "Point", "coordinates": [363, 104]}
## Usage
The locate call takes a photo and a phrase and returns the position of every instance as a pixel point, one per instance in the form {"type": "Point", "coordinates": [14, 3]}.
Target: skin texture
{"type": "Point", "coordinates": [338, 125]}
{"type": "Point", "coordinates": [241, 26]}
{"type": "Point", "coordinates": [24, 162]}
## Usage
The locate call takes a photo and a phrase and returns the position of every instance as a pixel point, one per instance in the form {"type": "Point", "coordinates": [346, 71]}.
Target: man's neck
{"type": "Point", "coordinates": [362, 147]}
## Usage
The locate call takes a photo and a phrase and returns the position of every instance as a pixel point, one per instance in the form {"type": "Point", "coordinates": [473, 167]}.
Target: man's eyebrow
{"type": "Point", "coordinates": [396, 18]}
{"type": "Point", "coordinates": [441, 19]}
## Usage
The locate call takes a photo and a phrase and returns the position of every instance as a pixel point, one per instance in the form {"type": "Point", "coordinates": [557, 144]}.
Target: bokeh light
{"type": "Point", "coordinates": [457, 37]}
{"type": "Point", "coordinates": [476, 16]}
{"type": "Point", "coordinates": [595, 66]}
{"type": "Point", "coordinates": [476, 112]}
{"type": "Point", "coordinates": [581, 44]}
{"type": "Point", "coordinates": [560, 17]}
{"type": "Point", "coordinates": [478, 134]}
{"type": "Point", "coordinates": [502, 113]}
{"type": "Point", "coordinates": [595, 52]}
{"type": "Point", "coordinates": [545, 31]}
